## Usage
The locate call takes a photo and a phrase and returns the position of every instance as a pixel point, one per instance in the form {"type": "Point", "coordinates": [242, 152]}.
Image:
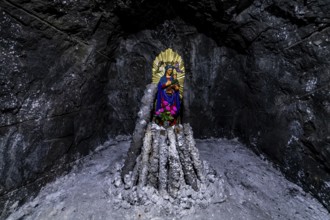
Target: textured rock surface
{"type": "Point", "coordinates": [52, 99]}
{"type": "Point", "coordinates": [173, 170]}
{"type": "Point", "coordinates": [144, 117]}
{"type": "Point", "coordinates": [73, 73]}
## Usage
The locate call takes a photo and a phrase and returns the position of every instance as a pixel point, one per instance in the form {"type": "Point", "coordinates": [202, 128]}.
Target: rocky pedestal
{"type": "Point", "coordinates": [169, 159]}
{"type": "Point", "coordinates": [168, 171]}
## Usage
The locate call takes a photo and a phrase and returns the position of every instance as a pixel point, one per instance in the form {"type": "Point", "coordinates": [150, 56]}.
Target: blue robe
{"type": "Point", "coordinates": [173, 100]}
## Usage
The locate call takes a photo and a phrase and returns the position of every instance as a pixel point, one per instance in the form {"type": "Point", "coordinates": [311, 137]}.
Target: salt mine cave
{"type": "Point", "coordinates": [78, 136]}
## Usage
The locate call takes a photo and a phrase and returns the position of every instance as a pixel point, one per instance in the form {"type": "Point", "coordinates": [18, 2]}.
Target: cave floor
{"type": "Point", "coordinates": [255, 190]}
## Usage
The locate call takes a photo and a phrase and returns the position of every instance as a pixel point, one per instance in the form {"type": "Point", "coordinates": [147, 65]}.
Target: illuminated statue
{"type": "Point", "coordinates": [169, 89]}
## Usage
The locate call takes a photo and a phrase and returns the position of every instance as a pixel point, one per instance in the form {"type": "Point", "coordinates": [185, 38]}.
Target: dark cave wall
{"type": "Point", "coordinates": [73, 74]}
{"type": "Point", "coordinates": [52, 102]}
{"type": "Point", "coordinates": [286, 72]}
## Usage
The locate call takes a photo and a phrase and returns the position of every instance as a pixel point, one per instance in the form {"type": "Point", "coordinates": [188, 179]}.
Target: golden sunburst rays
{"type": "Point", "coordinates": [168, 57]}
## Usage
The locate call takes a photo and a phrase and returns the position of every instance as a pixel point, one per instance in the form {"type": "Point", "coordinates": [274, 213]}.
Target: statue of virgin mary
{"type": "Point", "coordinates": [168, 97]}
{"type": "Point", "coordinates": [166, 67]}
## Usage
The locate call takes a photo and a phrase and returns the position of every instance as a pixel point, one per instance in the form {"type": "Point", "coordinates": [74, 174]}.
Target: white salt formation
{"type": "Point", "coordinates": [168, 171]}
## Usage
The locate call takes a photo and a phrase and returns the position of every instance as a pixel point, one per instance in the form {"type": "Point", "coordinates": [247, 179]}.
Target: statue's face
{"type": "Point", "coordinates": [169, 71]}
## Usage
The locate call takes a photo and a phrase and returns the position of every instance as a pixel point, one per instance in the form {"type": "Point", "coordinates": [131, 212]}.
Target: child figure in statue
{"type": "Point", "coordinates": [168, 98]}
